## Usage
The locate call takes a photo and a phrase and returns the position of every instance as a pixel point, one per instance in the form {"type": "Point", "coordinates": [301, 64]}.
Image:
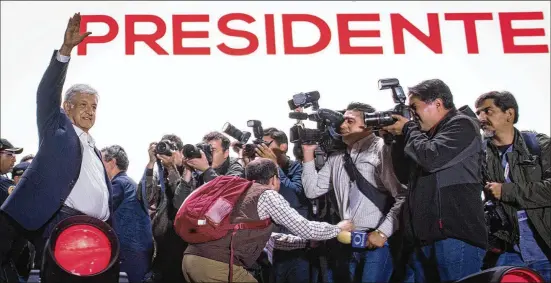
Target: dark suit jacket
{"type": "Point", "coordinates": [132, 223]}
{"type": "Point", "coordinates": [54, 171]}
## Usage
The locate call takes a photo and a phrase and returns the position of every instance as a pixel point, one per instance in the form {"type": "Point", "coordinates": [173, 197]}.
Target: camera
{"type": "Point", "coordinates": [165, 147]}
{"type": "Point", "coordinates": [250, 149]}
{"type": "Point", "coordinates": [326, 133]}
{"type": "Point", "coordinates": [193, 151]}
{"type": "Point", "coordinates": [496, 219]}
{"type": "Point", "coordinates": [381, 119]}
{"type": "Point", "coordinates": [242, 137]}
{"type": "Point", "coordinates": [305, 100]}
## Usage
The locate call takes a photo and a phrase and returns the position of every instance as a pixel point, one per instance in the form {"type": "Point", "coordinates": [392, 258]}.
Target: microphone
{"type": "Point", "coordinates": [298, 115]}
{"type": "Point", "coordinates": [358, 239]}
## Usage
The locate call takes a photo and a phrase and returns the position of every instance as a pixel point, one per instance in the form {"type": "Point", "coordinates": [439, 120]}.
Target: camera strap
{"type": "Point", "coordinates": [366, 188]}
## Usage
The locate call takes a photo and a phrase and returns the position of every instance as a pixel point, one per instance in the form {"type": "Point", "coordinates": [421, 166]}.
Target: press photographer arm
{"type": "Point", "coordinates": [315, 183]}
{"type": "Point", "coordinates": [295, 183]}
{"type": "Point", "coordinates": [288, 242]}
{"type": "Point", "coordinates": [172, 178]}
{"type": "Point", "coordinates": [441, 151]}
{"type": "Point", "coordinates": [209, 173]}
{"type": "Point", "coordinates": [149, 182]}
{"type": "Point", "coordinates": [396, 189]}
{"type": "Point", "coordinates": [271, 204]}
{"type": "Point", "coordinates": [530, 195]}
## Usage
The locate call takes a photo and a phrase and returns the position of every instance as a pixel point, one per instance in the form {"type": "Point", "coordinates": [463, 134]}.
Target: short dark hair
{"type": "Point", "coordinates": [261, 170]}
{"type": "Point", "coordinates": [503, 100]}
{"type": "Point", "coordinates": [26, 158]}
{"type": "Point", "coordinates": [278, 136]}
{"type": "Point", "coordinates": [175, 139]}
{"type": "Point", "coordinates": [430, 90]}
{"type": "Point", "coordinates": [218, 136]}
{"type": "Point", "coordinates": [119, 154]}
{"type": "Point", "coordinates": [363, 107]}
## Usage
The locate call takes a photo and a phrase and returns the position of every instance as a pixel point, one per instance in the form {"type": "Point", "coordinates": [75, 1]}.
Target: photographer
{"type": "Point", "coordinates": [166, 195]}
{"type": "Point", "coordinates": [203, 172]}
{"type": "Point", "coordinates": [443, 213]}
{"type": "Point", "coordinates": [372, 202]}
{"type": "Point", "coordinates": [519, 182]}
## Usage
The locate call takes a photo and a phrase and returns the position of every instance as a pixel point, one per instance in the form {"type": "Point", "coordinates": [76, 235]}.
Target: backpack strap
{"type": "Point", "coordinates": [243, 226]}
{"type": "Point", "coordinates": [532, 143]}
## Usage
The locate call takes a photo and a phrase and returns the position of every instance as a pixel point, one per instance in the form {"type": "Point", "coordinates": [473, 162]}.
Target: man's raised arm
{"type": "Point", "coordinates": [48, 98]}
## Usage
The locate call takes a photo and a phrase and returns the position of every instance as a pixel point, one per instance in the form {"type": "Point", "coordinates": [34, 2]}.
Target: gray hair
{"type": "Point", "coordinates": [119, 154]}
{"type": "Point", "coordinates": [79, 88]}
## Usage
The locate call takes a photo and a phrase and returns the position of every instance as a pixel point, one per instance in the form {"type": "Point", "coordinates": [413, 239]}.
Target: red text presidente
{"type": "Point", "coordinates": [399, 27]}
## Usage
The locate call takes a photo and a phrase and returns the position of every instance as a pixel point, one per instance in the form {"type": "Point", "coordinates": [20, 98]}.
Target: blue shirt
{"type": "Point", "coordinates": [291, 189]}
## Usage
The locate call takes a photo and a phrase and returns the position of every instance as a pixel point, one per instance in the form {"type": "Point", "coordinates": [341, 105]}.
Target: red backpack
{"type": "Point", "coordinates": [205, 214]}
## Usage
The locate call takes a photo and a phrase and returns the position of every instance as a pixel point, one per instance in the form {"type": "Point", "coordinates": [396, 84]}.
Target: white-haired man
{"type": "Point", "coordinates": [67, 176]}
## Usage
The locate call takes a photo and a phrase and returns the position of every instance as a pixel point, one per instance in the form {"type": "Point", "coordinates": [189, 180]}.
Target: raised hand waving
{"type": "Point", "coordinates": [72, 35]}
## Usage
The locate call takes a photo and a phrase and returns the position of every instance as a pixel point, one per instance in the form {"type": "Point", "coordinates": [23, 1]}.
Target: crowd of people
{"type": "Point", "coordinates": [418, 199]}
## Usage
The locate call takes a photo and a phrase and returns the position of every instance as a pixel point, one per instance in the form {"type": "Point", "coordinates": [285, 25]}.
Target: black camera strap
{"type": "Point", "coordinates": [367, 189]}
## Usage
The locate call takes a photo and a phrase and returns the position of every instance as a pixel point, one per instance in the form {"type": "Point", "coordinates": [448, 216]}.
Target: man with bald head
{"type": "Point", "coordinates": [67, 176]}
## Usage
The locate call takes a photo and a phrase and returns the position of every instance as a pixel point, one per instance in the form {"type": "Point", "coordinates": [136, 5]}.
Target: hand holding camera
{"type": "Point", "coordinates": [201, 163]}
{"type": "Point", "coordinates": [396, 128]}
{"type": "Point", "coordinates": [152, 154]}
{"type": "Point", "coordinates": [263, 151]}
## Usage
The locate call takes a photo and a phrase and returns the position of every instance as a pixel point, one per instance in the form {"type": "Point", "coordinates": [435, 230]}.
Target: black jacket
{"type": "Point", "coordinates": [530, 187]}
{"type": "Point", "coordinates": [444, 176]}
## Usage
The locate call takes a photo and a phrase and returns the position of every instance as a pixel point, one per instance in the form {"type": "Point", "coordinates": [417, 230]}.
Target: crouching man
{"type": "Point", "coordinates": [210, 261]}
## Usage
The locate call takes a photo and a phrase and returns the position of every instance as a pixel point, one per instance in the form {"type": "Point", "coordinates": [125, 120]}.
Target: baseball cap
{"type": "Point", "coordinates": [19, 169]}
{"type": "Point", "coordinates": [5, 145]}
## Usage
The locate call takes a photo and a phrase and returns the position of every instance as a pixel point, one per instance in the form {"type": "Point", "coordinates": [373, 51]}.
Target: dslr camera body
{"type": "Point", "coordinates": [381, 119]}
{"type": "Point", "coordinates": [194, 151]}
{"type": "Point", "coordinates": [165, 147]}
{"type": "Point", "coordinates": [250, 148]}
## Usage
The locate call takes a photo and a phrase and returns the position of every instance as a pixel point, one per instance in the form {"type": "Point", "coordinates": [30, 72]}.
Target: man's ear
{"type": "Point", "coordinates": [438, 103]}
{"type": "Point", "coordinates": [226, 153]}
{"type": "Point", "coordinates": [66, 106]}
{"type": "Point", "coordinates": [510, 114]}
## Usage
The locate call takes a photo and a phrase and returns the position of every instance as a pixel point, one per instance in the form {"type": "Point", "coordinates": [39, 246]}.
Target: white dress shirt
{"type": "Point", "coordinates": [90, 194]}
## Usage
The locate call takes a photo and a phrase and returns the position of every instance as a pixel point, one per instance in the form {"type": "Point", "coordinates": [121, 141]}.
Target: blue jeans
{"type": "Point", "coordinates": [543, 267]}
{"type": "Point", "coordinates": [371, 265]}
{"type": "Point", "coordinates": [452, 259]}
{"type": "Point", "coordinates": [291, 266]}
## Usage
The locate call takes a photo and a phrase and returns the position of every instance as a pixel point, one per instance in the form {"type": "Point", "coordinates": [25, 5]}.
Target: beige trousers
{"type": "Point", "coordinates": [198, 269]}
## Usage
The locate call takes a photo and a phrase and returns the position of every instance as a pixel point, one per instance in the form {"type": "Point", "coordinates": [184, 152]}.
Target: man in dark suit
{"type": "Point", "coordinates": [132, 223]}
{"type": "Point", "coordinates": [67, 176]}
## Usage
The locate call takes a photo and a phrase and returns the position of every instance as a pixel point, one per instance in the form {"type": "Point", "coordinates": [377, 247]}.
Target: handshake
{"type": "Point", "coordinates": [360, 239]}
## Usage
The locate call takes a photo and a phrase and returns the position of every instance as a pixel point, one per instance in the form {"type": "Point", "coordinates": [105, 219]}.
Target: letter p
{"type": "Point", "coordinates": [113, 30]}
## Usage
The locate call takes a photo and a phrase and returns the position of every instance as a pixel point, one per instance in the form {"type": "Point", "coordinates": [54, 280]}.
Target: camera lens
{"type": "Point", "coordinates": [163, 148]}
{"type": "Point", "coordinates": [232, 131]}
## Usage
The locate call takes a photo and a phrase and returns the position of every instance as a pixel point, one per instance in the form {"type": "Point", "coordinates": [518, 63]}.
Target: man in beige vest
{"type": "Point", "coordinates": [209, 262]}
